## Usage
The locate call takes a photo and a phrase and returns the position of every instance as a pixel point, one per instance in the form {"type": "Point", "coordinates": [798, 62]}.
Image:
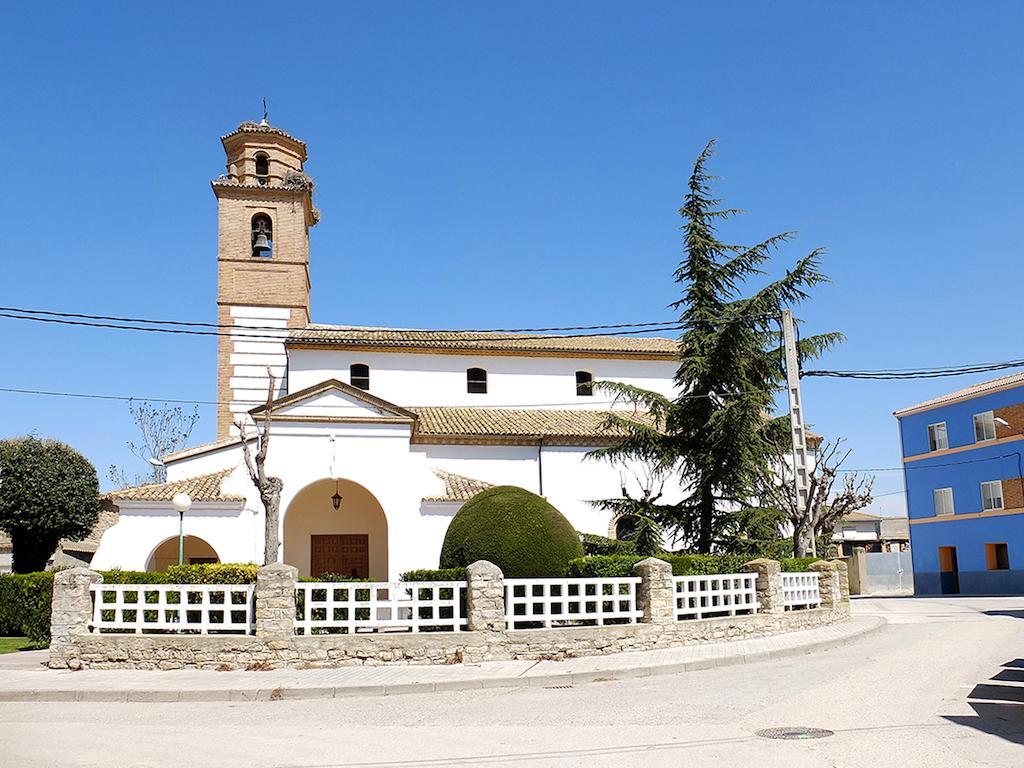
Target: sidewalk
{"type": "Point", "coordinates": [23, 678]}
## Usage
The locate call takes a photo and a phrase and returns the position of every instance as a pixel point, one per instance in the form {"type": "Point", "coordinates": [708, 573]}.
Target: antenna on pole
{"type": "Point", "coordinates": [266, 112]}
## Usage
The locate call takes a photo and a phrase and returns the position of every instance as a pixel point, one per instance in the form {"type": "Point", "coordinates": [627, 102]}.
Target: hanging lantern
{"type": "Point", "coordinates": [336, 498]}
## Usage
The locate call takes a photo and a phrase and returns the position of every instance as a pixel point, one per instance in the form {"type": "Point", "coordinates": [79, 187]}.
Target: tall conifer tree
{"type": "Point", "coordinates": [718, 434]}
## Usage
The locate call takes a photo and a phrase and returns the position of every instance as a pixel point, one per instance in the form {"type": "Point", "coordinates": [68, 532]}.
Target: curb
{"type": "Point", "coordinates": [555, 680]}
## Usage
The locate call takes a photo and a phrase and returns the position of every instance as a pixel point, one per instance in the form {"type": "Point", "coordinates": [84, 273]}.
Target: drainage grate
{"type": "Point", "coordinates": [794, 733]}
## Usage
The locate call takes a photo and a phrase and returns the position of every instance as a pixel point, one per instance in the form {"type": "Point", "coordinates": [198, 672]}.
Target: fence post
{"type": "Point", "coordinates": [275, 600]}
{"type": "Point", "coordinates": [656, 595]}
{"type": "Point", "coordinates": [831, 574]}
{"type": "Point", "coordinates": [769, 584]}
{"type": "Point", "coordinates": [485, 597]}
{"type": "Point", "coordinates": [70, 614]}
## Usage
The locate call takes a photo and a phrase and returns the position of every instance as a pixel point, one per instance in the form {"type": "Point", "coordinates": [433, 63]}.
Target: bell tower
{"type": "Point", "coordinates": [265, 210]}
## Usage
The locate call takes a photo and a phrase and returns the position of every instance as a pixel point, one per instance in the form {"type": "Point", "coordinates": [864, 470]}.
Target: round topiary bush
{"type": "Point", "coordinates": [516, 530]}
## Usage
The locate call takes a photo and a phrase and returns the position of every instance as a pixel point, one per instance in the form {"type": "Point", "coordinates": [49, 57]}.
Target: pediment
{"type": "Point", "coordinates": [334, 400]}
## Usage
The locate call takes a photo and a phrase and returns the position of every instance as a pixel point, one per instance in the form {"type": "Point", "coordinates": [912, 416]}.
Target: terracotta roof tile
{"type": "Point", "coordinates": [458, 487]}
{"type": "Point", "coordinates": [200, 488]}
{"type": "Point", "coordinates": [407, 338]}
{"type": "Point", "coordinates": [447, 422]}
{"type": "Point", "coordinates": [975, 390]}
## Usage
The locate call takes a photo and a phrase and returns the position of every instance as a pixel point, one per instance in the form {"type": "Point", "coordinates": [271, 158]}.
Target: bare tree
{"type": "Point", "coordinates": [164, 430]}
{"type": "Point", "coordinates": [822, 510]}
{"type": "Point", "coordinates": [269, 487]}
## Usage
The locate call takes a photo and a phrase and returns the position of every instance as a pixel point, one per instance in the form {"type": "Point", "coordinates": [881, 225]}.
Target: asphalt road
{"type": "Point", "coordinates": [941, 685]}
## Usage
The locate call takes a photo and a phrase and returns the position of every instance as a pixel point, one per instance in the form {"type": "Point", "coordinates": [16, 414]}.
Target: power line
{"type": "Point", "coordinates": [932, 466]}
{"type": "Point", "coordinates": [182, 401]}
{"type": "Point", "coordinates": [919, 373]}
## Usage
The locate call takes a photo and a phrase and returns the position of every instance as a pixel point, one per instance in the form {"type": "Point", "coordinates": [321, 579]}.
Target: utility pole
{"type": "Point", "coordinates": [798, 432]}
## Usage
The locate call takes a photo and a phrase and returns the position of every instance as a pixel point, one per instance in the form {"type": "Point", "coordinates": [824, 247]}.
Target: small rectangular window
{"type": "Point", "coordinates": [997, 557]}
{"type": "Point", "coordinates": [937, 440]}
{"type": "Point", "coordinates": [984, 426]}
{"type": "Point", "coordinates": [943, 498]}
{"type": "Point", "coordinates": [584, 384]}
{"type": "Point", "coordinates": [476, 381]}
{"type": "Point", "coordinates": [992, 495]}
{"type": "Point", "coordinates": [359, 376]}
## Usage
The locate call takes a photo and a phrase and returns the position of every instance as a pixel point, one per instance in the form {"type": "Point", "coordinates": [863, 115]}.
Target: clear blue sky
{"type": "Point", "coordinates": [486, 165]}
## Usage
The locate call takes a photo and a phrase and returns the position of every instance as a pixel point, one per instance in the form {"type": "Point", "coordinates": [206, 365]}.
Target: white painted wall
{"type": "Point", "coordinates": [515, 382]}
{"type": "Point", "coordinates": [250, 358]}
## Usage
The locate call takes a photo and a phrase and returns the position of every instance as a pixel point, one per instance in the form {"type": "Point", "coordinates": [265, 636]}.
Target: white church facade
{"type": "Point", "coordinates": [403, 425]}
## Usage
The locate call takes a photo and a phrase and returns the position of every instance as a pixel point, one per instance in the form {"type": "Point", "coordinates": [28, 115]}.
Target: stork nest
{"type": "Point", "coordinates": [297, 180]}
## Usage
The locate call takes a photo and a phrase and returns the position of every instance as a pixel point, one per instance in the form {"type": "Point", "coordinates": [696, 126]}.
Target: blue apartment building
{"type": "Point", "coordinates": [962, 468]}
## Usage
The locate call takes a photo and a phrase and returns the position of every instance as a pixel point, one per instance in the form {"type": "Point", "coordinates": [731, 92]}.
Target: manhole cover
{"type": "Point", "coordinates": [794, 733]}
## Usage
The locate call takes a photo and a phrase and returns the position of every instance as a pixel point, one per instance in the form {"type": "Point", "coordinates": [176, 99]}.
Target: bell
{"type": "Point", "coordinates": [262, 245]}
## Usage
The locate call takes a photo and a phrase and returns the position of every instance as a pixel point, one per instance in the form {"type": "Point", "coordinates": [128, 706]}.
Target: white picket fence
{"type": "Point", "coordinates": [534, 603]}
{"type": "Point", "coordinates": [173, 608]}
{"type": "Point", "coordinates": [351, 607]}
{"type": "Point", "coordinates": [800, 590]}
{"type": "Point", "coordinates": [708, 596]}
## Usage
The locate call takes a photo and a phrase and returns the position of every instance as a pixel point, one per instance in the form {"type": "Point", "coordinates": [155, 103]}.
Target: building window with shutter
{"type": "Point", "coordinates": [584, 383]}
{"type": "Point", "coordinates": [476, 381]}
{"type": "Point", "coordinates": [984, 426]}
{"type": "Point", "coordinates": [937, 439]}
{"type": "Point", "coordinates": [943, 498]}
{"type": "Point", "coordinates": [992, 495]}
{"type": "Point", "coordinates": [359, 376]}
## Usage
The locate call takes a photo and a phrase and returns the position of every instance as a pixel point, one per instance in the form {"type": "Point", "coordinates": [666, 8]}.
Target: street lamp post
{"type": "Point", "coordinates": [182, 503]}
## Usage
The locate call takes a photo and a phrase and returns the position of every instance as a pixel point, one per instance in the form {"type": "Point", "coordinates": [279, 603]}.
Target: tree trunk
{"type": "Point", "coordinates": [31, 551]}
{"type": "Point", "coordinates": [705, 534]}
{"type": "Point", "coordinates": [803, 540]}
{"type": "Point", "coordinates": [271, 497]}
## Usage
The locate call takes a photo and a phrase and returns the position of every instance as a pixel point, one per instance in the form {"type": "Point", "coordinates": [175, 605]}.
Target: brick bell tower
{"type": "Point", "coordinates": [265, 203]}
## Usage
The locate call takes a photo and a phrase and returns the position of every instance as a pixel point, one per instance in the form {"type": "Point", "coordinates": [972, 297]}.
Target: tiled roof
{"type": "Point", "coordinates": [440, 423]}
{"type": "Point", "coordinates": [252, 127]}
{"type": "Point", "coordinates": [861, 517]}
{"type": "Point", "coordinates": [975, 390]}
{"type": "Point", "coordinates": [457, 487]}
{"type": "Point", "coordinates": [470, 341]}
{"type": "Point", "coordinates": [200, 488]}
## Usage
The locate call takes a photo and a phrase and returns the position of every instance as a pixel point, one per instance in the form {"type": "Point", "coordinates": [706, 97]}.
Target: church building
{"type": "Point", "coordinates": [378, 434]}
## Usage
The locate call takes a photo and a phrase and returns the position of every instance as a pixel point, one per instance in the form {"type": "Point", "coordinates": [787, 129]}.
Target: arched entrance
{"type": "Point", "coordinates": [197, 550]}
{"type": "Point", "coordinates": [351, 541]}
{"type": "Point", "coordinates": [624, 526]}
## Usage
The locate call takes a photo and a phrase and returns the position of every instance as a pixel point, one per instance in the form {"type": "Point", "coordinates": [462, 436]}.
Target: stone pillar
{"type": "Point", "coordinates": [830, 584]}
{"type": "Point", "coordinates": [485, 597]}
{"type": "Point", "coordinates": [844, 580]}
{"type": "Point", "coordinates": [656, 594]}
{"type": "Point", "coordinates": [70, 614]}
{"type": "Point", "coordinates": [769, 584]}
{"type": "Point", "coordinates": [275, 600]}
{"type": "Point", "coordinates": [857, 568]}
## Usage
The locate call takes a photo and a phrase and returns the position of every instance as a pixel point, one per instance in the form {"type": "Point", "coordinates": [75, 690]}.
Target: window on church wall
{"type": "Point", "coordinates": [476, 381]}
{"type": "Point", "coordinates": [359, 375]}
{"type": "Point", "coordinates": [262, 236]}
{"type": "Point", "coordinates": [262, 168]}
{"type": "Point", "coordinates": [584, 383]}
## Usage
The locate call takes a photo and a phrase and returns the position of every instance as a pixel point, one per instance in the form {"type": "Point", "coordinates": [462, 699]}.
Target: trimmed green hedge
{"type": "Point", "coordinates": [25, 598]}
{"type": "Point", "coordinates": [682, 565]}
{"type": "Point", "coordinates": [518, 531]}
{"type": "Point", "coordinates": [435, 574]}
{"type": "Point", "coordinates": [25, 605]}
{"type": "Point", "coordinates": [602, 545]}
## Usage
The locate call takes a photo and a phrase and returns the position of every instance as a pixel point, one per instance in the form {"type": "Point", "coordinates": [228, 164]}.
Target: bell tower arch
{"type": "Point", "coordinates": [265, 211]}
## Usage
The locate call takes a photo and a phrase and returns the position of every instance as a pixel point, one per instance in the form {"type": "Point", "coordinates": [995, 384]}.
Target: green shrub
{"type": "Point", "coordinates": [516, 530]}
{"type": "Point", "coordinates": [117, 576]}
{"type": "Point", "coordinates": [212, 573]}
{"type": "Point", "coordinates": [604, 566]}
{"type": "Point", "coordinates": [25, 600]}
{"type": "Point", "coordinates": [602, 545]}
{"type": "Point", "coordinates": [435, 574]}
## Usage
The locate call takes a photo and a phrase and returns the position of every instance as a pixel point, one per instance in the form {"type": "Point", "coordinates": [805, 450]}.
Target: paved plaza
{"type": "Point", "coordinates": [940, 684]}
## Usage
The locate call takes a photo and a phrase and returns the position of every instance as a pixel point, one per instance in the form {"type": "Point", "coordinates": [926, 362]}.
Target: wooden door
{"type": "Point", "coordinates": [949, 572]}
{"type": "Point", "coordinates": [346, 554]}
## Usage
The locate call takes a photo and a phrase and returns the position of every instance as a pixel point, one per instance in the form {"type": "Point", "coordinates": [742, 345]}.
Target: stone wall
{"type": "Point", "coordinates": [274, 644]}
